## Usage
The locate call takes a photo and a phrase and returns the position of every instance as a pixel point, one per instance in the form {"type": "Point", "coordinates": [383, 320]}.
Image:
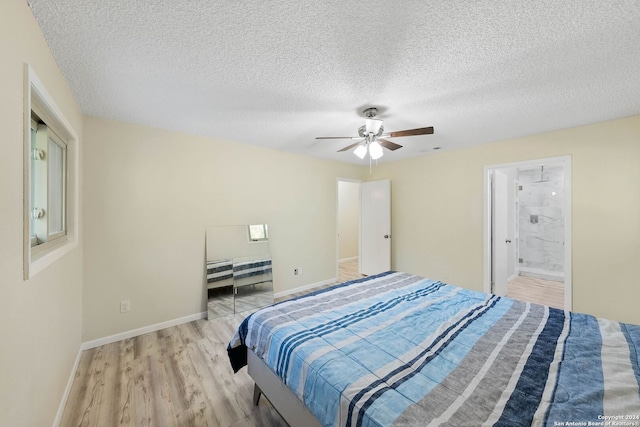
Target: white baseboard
{"type": "Point", "coordinates": [304, 288]}
{"type": "Point", "coordinates": [353, 258]}
{"type": "Point", "coordinates": [141, 331]}
{"type": "Point", "coordinates": [67, 390]}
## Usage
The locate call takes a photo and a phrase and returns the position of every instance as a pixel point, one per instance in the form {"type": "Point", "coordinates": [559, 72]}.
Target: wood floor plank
{"type": "Point", "coordinates": [143, 394]}
{"type": "Point", "coordinates": [96, 408]}
{"type": "Point", "coordinates": [123, 383]}
{"type": "Point", "coordinates": [228, 390]}
{"type": "Point", "coordinates": [147, 344]}
{"type": "Point", "coordinates": [203, 365]}
{"type": "Point", "coordinates": [164, 408]}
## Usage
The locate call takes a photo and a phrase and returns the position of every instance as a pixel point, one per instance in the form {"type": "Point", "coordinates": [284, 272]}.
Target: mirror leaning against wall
{"type": "Point", "coordinates": [238, 269]}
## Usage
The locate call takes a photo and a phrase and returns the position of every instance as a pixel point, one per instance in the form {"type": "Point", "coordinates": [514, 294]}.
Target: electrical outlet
{"type": "Point", "coordinates": [125, 306]}
{"type": "Point", "coordinates": [295, 271]}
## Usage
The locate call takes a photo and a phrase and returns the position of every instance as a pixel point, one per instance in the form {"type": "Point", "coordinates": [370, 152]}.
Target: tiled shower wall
{"type": "Point", "coordinates": [541, 221]}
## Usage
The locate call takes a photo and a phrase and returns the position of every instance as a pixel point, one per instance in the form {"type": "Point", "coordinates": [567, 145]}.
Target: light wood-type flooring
{"type": "Point", "coordinates": [348, 270]}
{"type": "Point", "coordinates": [545, 292]}
{"type": "Point", "coordinates": [178, 376]}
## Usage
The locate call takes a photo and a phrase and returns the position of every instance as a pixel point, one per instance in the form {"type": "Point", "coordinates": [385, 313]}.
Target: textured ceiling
{"type": "Point", "coordinates": [280, 73]}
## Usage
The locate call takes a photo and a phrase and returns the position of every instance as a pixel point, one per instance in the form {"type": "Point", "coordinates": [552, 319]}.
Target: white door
{"type": "Point", "coordinates": [500, 240]}
{"type": "Point", "coordinates": [375, 227]}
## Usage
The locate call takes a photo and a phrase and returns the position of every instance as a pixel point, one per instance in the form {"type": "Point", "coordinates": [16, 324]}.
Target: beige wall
{"type": "Point", "coordinates": [40, 319]}
{"type": "Point", "coordinates": [348, 219]}
{"type": "Point", "coordinates": [437, 212]}
{"type": "Point", "coordinates": [149, 194]}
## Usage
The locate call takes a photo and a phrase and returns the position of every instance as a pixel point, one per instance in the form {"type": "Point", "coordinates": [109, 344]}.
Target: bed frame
{"type": "Point", "coordinates": [283, 400]}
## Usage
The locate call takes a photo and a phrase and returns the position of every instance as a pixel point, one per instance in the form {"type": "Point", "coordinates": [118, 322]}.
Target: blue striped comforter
{"type": "Point", "coordinates": [400, 350]}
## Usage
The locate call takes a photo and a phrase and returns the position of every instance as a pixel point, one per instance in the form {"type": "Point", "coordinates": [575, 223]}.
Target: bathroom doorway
{"type": "Point", "coordinates": [528, 231]}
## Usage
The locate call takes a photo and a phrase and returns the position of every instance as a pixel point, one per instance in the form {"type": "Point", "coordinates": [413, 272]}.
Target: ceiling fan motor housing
{"type": "Point", "coordinates": [362, 131]}
{"type": "Point", "coordinates": [370, 112]}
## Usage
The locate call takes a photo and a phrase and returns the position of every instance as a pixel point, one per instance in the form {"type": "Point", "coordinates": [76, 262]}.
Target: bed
{"type": "Point", "coordinates": [400, 350]}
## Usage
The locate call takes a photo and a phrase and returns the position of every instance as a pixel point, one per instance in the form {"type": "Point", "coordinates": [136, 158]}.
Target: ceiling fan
{"type": "Point", "coordinates": [372, 136]}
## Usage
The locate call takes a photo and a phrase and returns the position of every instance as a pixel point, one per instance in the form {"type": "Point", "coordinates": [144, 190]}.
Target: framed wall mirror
{"type": "Point", "coordinates": [238, 269]}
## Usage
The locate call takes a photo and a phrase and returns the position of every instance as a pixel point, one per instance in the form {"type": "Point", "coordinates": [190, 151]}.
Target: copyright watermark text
{"type": "Point", "coordinates": [603, 421]}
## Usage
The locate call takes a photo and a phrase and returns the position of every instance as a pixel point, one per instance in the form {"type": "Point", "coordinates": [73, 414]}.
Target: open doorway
{"type": "Point", "coordinates": [348, 219]}
{"type": "Point", "coordinates": [528, 231]}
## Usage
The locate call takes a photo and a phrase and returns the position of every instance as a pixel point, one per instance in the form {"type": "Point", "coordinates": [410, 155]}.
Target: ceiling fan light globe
{"type": "Point", "coordinates": [373, 125]}
{"type": "Point", "coordinates": [360, 151]}
{"type": "Point", "coordinates": [375, 150]}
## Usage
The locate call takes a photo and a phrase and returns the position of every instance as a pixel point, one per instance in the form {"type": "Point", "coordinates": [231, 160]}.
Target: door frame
{"type": "Point", "coordinates": [564, 161]}
{"type": "Point", "coordinates": [359, 182]}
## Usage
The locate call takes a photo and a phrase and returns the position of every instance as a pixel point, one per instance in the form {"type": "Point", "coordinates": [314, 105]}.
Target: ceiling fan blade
{"type": "Point", "coordinates": [338, 137]}
{"type": "Point", "coordinates": [389, 145]}
{"type": "Point", "coordinates": [373, 125]}
{"type": "Point", "coordinates": [349, 147]}
{"type": "Point", "coordinates": [411, 132]}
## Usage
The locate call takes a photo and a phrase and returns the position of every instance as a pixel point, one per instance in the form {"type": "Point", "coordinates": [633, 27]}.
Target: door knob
{"type": "Point", "coordinates": [386, 236]}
